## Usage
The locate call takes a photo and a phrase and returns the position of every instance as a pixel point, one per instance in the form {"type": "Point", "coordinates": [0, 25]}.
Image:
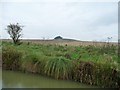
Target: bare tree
{"type": "Point", "coordinates": [14, 30]}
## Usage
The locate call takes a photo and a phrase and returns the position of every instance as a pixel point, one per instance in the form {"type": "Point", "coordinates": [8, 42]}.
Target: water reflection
{"type": "Point", "coordinates": [21, 80]}
{"type": "Point", "coordinates": [0, 79]}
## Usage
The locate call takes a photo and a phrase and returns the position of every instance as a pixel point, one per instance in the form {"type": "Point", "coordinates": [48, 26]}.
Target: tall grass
{"type": "Point", "coordinates": [59, 67]}
{"type": "Point", "coordinates": [11, 58]}
{"type": "Point", "coordinates": [34, 63]}
{"type": "Point", "coordinates": [94, 65]}
{"type": "Point", "coordinates": [104, 75]}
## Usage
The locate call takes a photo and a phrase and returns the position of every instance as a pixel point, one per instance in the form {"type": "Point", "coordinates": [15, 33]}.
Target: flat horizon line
{"type": "Point", "coordinates": [38, 39]}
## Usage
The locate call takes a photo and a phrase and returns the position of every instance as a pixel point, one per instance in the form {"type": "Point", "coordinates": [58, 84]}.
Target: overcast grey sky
{"type": "Point", "coordinates": [75, 20]}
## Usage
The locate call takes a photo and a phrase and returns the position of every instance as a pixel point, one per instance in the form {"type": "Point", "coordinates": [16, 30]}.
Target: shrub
{"type": "Point", "coordinates": [83, 71]}
{"type": "Point", "coordinates": [28, 62]}
{"type": "Point", "coordinates": [11, 58]}
{"type": "Point", "coordinates": [96, 74]}
{"type": "Point", "coordinates": [34, 63]}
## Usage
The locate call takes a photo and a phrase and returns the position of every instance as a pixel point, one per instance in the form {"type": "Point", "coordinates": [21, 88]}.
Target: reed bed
{"type": "Point", "coordinates": [94, 65]}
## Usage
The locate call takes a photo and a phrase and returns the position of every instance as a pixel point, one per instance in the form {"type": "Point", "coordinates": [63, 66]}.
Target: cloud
{"type": "Point", "coordinates": [82, 21]}
{"type": "Point", "coordinates": [59, 0]}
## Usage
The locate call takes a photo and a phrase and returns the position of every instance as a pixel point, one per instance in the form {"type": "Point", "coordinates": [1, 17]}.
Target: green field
{"type": "Point", "coordinates": [94, 65]}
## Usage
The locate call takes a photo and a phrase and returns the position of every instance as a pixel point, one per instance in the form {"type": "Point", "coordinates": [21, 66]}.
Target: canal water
{"type": "Point", "coordinates": [11, 79]}
{"type": "Point", "coordinates": [0, 79]}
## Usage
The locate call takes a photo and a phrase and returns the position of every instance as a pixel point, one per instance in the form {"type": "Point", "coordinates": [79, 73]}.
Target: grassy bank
{"type": "Point", "coordinates": [94, 65]}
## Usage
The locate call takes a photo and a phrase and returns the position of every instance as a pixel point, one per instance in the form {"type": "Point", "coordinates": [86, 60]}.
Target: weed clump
{"type": "Point", "coordinates": [11, 58]}
{"type": "Point", "coordinates": [96, 74]}
{"type": "Point", "coordinates": [59, 68]}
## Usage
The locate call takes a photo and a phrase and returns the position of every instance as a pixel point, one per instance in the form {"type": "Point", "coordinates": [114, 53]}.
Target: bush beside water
{"type": "Point", "coordinates": [86, 64]}
{"type": "Point", "coordinates": [99, 74]}
{"type": "Point", "coordinates": [11, 58]}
